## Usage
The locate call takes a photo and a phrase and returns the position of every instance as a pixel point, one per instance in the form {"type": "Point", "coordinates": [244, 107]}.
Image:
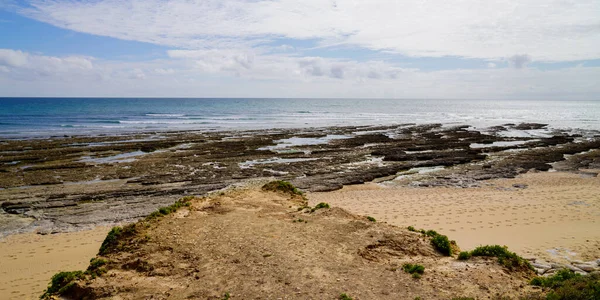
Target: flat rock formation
{"type": "Point", "coordinates": [69, 183]}
{"type": "Point", "coordinates": [247, 243]}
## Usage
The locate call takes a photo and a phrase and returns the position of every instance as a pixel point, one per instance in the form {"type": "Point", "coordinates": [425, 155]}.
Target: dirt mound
{"type": "Point", "coordinates": [247, 243]}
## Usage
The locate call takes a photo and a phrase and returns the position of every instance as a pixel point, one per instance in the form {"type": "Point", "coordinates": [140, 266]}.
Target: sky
{"type": "Point", "coordinates": [463, 49]}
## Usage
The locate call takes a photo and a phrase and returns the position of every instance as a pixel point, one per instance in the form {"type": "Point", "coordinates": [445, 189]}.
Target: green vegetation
{"type": "Point", "coordinates": [282, 186]}
{"type": "Point", "coordinates": [61, 283]}
{"type": "Point", "coordinates": [95, 268]}
{"type": "Point", "coordinates": [509, 260]}
{"type": "Point", "coordinates": [442, 244]}
{"type": "Point", "coordinates": [226, 296]}
{"type": "Point", "coordinates": [113, 240]}
{"type": "Point", "coordinates": [566, 284]}
{"type": "Point", "coordinates": [164, 211]}
{"type": "Point", "coordinates": [300, 221]}
{"type": "Point", "coordinates": [319, 206]}
{"type": "Point", "coordinates": [371, 219]}
{"type": "Point", "coordinates": [415, 270]}
{"type": "Point", "coordinates": [344, 297]}
{"type": "Point", "coordinates": [464, 255]}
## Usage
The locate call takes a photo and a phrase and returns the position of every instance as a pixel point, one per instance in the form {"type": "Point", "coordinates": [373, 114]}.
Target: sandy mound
{"type": "Point", "coordinates": [254, 244]}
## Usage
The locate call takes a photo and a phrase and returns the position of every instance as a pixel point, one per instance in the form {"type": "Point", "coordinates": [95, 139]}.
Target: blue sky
{"type": "Point", "coordinates": [313, 48]}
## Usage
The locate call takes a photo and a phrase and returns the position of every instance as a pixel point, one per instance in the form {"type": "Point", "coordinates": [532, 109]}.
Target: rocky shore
{"type": "Point", "coordinates": [70, 183]}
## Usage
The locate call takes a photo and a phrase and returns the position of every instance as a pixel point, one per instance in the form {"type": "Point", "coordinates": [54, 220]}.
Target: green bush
{"type": "Point", "coordinates": [412, 269]}
{"type": "Point", "coordinates": [442, 244]}
{"type": "Point", "coordinates": [410, 228]}
{"type": "Point", "coordinates": [464, 255]}
{"type": "Point", "coordinates": [96, 263]}
{"type": "Point", "coordinates": [344, 297]}
{"type": "Point", "coordinates": [113, 242]}
{"type": "Point", "coordinates": [371, 219]}
{"type": "Point", "coordinates": [566, 285]}
{"type": "Point", "coordinates": [508, 259]}
{"type": "Point", "coordinates": [282, 186]}
{"type": "Point", "coordinates": [61, 283]}
{"type": "Point", "coordinates": [431, 233]}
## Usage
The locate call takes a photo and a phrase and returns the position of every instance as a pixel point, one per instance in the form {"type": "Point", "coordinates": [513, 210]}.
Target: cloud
{"type": "Point", "coordinates": [12, 58]}
{"type": "Point", "coordinates": [491, 65]}
{"type": "Point", "coordinates": [519, 61]}
{"type": "Point", "coordinates": [278, 76]}
{"type": "Point", "coordinates": [549, 30]}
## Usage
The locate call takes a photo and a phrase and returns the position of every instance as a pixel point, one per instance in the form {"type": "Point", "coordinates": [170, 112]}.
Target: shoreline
{"type": "Point", "coordinates": [53, 189]}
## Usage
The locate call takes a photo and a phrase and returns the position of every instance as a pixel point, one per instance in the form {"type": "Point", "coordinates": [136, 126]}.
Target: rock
{"type": "Point", "coordinates": [540, 271]}
{"type": "Point", "coordinates": [543, 266]}
{"type": "Point", "coordinates": [520, 186]}
{"type": "Point", "coordinates": [586, 267]}
{"type": "Point", "coordinates": [570, 267]}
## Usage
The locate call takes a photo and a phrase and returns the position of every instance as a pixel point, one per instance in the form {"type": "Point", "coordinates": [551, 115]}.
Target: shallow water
{"type": "Point", "coordinates": [43, 117]}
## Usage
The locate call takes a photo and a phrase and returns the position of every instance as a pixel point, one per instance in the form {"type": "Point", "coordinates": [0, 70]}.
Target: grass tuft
{"type": "Point", "coordinates": [509, 260]}
{"type": "Point", "coordinates": [371, 219]}
{"type": "Point", "coordinates": [464, 255]}
{"type": "Point", "coordinates": [344, 297]}
{"type": "Point", "coordinates": [282, 186]}
{"type": "Point", "coordinates": [164, 211]}
{"type": "Point", "coordinates": [414, 269]}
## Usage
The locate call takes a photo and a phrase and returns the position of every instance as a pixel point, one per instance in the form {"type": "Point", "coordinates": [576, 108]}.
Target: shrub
{"type": "Point", "coordinates": [464, 255]}
{"type": "Point", "coordinates": [322, 205]}
{"type": "Point", "coordinates": [282, 186]}
{"type": "Point", "coordinates": [413, 269]}
{"type": "Point", "coordinates": [410, 228]}
{"type": "Point", "coordinates": [506, 258]}
{"type": "Point", "coordinates": [371, 219]}
{"type": "Point", "coordinates": [442, 244]}
{"type": "Point", "coordinates": [566, 284]}
{"type": "Point", "coordinates": [96, 263]}
{"type": "Point", "coordinates": [344, 297]}
{"type": "Point", "coordinates": [113, 242]}
{"type": "Point", "coordinates": [431, 233]}
{"type": "Point", "coordinates": [61, 283]}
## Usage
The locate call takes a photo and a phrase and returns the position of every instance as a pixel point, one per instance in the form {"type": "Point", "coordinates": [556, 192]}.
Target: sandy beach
{"type": "Point", "coordinates": [28, 261]}
{"type": "Point", "coordinates": [555, 217]}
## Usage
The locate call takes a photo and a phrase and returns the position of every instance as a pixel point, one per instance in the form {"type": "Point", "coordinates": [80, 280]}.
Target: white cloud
{"type": "Point", "coordinates": [11, 58]}
{"type": "Point", "coordinates": [280, 76]}
{"type": "Point", "coordinates": [548, 30]}
{"type": "Point", "coordinates": [491, 65]}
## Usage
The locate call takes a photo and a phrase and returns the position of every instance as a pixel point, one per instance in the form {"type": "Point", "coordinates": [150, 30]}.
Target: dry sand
{"type": "Point", "coordinates": [556, 217]}
{"type": "Point", "coordinates": [28, 261]}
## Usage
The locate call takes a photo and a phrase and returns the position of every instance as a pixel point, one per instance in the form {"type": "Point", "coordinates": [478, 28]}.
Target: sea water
{"type": "Point", "coordinates": [43, 117]}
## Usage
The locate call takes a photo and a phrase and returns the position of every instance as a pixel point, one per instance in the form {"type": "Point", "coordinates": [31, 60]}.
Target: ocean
{"type": "Point", "coordinates": [44, 117]}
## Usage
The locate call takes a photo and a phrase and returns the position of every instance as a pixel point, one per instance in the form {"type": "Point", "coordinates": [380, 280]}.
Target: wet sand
{"type": "Point", "coordinates": [28, 261]}
{"type": "Point", "coordinates": [555, 217]}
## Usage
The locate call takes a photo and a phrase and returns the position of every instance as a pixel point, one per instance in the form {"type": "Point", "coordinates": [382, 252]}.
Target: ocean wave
{"type": "Point", "coordinates": [158, 122]}
{"type": "Point", "coordinates": [71, 126]}
{"type": "Point", "coordinates": [166, 115]}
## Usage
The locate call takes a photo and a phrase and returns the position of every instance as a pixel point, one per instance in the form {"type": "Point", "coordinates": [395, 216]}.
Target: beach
{"type": "Point", "coordinates": [554, 216]}
{"type": "Point", "coordinates": [527, 186]}
{"type": "Point", "coordinates": [28, 261]}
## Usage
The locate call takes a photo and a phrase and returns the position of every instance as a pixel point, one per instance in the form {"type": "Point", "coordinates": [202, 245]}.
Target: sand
{"type": "Point", "coordinates": [28, 261]}
{"type": "Point", "coordinates": [557, 217]}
